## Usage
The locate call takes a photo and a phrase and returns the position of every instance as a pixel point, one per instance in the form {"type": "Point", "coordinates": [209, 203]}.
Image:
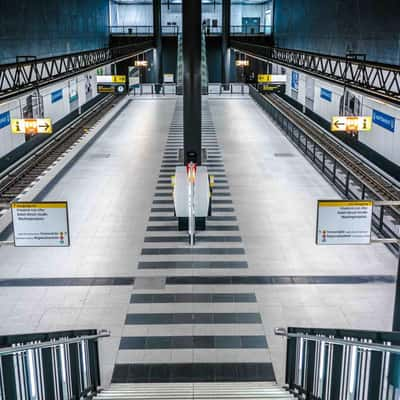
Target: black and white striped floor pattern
{"type": "Point", "coordinates": [192, 333]}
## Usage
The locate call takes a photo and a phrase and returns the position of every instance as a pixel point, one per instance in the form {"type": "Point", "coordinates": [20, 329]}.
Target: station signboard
{"type": "Point", "coordinates": [344, 222]}
{"type": "Point", "coordinates": [42, 224]}
{"type": "Point", "coordinates": [351, 124]}
{"type": "Point", "coordinates": [103, 79]}
{"type": "Point", "coordinates": [242, 63]}
{"type": "Point", "coordinates": [31, 126]}
{"type": "Point", "coordinates": [269, 78]}
{"type": "Point", "coordinates": [141, 63]}
{"type": "Point", "coordinates": [111, 84]}
{"type": "Point", "coordinates": [168, 78]}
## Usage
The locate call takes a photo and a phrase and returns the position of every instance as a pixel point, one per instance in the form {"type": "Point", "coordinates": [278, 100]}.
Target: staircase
{"type": "Point", "coordinates": [193, 391]}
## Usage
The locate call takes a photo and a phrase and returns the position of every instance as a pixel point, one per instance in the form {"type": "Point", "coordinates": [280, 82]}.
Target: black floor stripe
{"type": "Point", "coordinates": [162, 219]}
{"type": "Point", "coordinates": [163, 202]}
{"type": "Point", "coordinates": [193, 372]}
{"type": "Point", "coordinates": [171, 209]}
{"type": "Point", "coordinates": [216, 201]}
{"type": "Point", "coordinates": [193, 250]}
{"type": "Point", "coordinates": [89, 281]}
{"type": "Point", "coordinates": [191, 318]}
{"type": "Point", "coordinates": [162, 194]}
{"type": "Point", "coordinates": [193, 342]}
{"type": "Point", "coordinates": [199, 239]}
{"type": "Point", "coordinates": [210, 228]}
{"type": "Point", "coordinates": [204, 280]}
{"type": "Point", "coordinates": [191, 264]}
{"type": "Point", "coordinates": [193, 298]}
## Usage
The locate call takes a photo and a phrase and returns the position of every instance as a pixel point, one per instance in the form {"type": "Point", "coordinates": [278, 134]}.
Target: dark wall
{"type": "Point", "coordinates": [337, 26]}
{"type": "Point", "coordinates": [49, 27]}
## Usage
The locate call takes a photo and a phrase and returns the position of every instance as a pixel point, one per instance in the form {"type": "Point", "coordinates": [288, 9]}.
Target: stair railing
{"type": "Point", "coordinates": [342, 364]}
{"type": "Point", "coordinates": [63, 367]}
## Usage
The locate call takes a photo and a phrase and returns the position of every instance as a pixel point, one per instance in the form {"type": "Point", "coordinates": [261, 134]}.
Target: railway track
{"type": "Point", "coordinates": [25, 172]}
{"type": "Point", "coordinates": [375, 182]}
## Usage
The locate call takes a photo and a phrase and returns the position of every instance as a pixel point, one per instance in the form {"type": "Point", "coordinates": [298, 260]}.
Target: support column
{"type": "Point", "coordinates": [226, 26]}
{"type": "Point", "coordinates": [158, 70]}
{"type": "Point", "coordinates": [191, 12]}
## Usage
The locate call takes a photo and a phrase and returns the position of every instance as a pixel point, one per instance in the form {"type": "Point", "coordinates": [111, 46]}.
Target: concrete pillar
{"type": "Point", "coordinates": [157, 30]}
{"type": "Point", "coordinates": [191, 12]}
{"type": "Point", "coordinates": [226, 26]}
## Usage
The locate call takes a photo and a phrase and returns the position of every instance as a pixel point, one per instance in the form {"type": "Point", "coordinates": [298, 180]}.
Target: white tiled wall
{"type": "Point", "coordinates": [55, 111]}
{"type": "Point", "coordinates": [383, 141]}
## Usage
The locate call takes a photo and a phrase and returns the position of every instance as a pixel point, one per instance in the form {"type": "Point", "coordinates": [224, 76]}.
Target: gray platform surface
{"type": "Point", "coordinates": [110, 191]}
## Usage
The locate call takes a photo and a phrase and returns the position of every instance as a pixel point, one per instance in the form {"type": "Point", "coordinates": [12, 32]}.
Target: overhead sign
{"type": "Point", "coordinates": [31, 126]}
{"type": "Point", "coordinates": [168, 78]}
{"type": "Point", "coordinates": [384, 120]}
{"type": "Point", "coordinates": [242, 63]}
{"type": "Point", "coordinates": [141, 63]}
{"type": "Point", "coordinates": [268, 78]}
{"type": "Point", "coordinates": [326, 94]}
{"type": "Point", "coordinates": [119, 89]}
{"type": "Point", "coordinates": [351, 124]}
{"type": "Point", "coordinates": [5, 119]}
{"type": "Point", "coordinates": [40, 224]}
{"type": "Point", "coordinates": [116, 79]}
{"type": "Point", "coordinates": [344, 222]}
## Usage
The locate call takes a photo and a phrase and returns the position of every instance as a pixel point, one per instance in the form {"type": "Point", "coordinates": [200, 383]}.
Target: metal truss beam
{"type": "Point", "coordinates": [30, 73]}
{"type": "Point", "coordinates": [377, 80]}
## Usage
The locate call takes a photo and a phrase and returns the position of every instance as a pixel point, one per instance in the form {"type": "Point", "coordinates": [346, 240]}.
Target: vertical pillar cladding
{"type": "Point", "coordinates": [226, 25]}
{"type": "Point", "coordinates": [192, 79]}
{"type": "Point", "coordinates": [157, 30]}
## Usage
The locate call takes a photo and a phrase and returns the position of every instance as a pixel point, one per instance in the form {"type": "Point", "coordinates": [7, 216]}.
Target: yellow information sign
{"type": "Point", "coordinates": [118, 79]}
{"type": "Point", "coordinates": [31, 126]}
{"type": "Point", "coordinates": [263, 78]}
{"type": "Point", "coordinates": [351, 124]}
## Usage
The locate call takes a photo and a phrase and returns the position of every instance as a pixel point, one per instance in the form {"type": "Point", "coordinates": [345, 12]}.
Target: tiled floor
{"type": "Point", "coordinates": [259, 269]}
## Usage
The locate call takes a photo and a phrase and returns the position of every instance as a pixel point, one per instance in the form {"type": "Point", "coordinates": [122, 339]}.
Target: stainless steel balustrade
{"type": "Point", "coordinates": [341, 364]}
{"type": "Point", "coordinates": [59, 369]}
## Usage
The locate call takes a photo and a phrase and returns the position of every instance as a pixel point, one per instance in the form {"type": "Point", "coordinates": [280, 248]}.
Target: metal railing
{"type": "Point", "coordinates": [379, 80]}
{"type": "Point", "coordinates": [142, 30]}
{"type": "Point", "coordinates": [329, 364]}
{"type": "Point", "coordinates": [250, 30]}
{"type": "Point", "coordinates": [143, 89]}
{"type": "Point", "coordinates": [31, 72]}
{"type": "Point", "coordinates": [148, 30]}
{"type": "Point", "coordinates": [385, 219]}
{"type": "Point", "coordinates": [231, 88]}
{"type": "Point", "coordinates": [59, 366]}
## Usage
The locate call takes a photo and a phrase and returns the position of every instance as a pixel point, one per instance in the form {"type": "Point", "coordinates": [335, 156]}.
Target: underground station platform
{"type": "Point", "coordinates": [166, 237]}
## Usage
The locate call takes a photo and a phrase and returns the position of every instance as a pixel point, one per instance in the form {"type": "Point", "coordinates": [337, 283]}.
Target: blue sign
{"type": "Point", "coordinates": [5, 119]}
{"type": "Point", "coordinates": [385, 121]}
{"type": "Point", "coordinates": [295, 80]}
{"type": "Point", "coordinates": [326, 94]}
{"type": "Point", "coordinates": [56, 96]}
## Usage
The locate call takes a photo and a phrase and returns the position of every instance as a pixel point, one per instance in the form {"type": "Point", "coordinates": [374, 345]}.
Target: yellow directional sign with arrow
{"type": "Point", "coordinates": [351, 124]}
{"type": "Point", "coordinates": [31, 126]}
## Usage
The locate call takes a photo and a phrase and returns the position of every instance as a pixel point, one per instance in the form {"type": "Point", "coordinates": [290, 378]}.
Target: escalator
{"type": "Point", "coordinates": [204, 66]}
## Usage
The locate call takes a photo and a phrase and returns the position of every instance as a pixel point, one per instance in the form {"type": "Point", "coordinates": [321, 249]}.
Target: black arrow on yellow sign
{"type": "Point", "coordinates": [338, 124]}
{"type": "Point", "coordinates": [46, 125]}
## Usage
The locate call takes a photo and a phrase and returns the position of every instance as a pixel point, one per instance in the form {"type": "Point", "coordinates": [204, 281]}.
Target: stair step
{"type": "Point", "coordinates": [195, 391]}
